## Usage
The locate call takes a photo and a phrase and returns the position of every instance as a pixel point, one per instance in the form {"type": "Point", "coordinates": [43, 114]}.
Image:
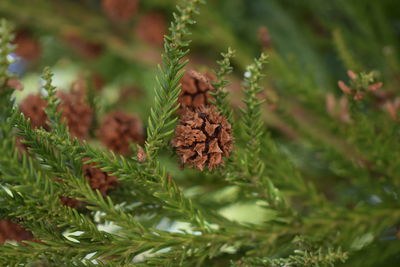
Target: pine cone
{"type": "Point", "coordinates": [118, 130]}
{"type": "Point", "coordinates": [12, 231]}
{"type": "Point", "coordinates": [194, 91]}
{"type": "Point", "coordinates": [152, 28]}
{"type": "Point", "coordinates": [77, 114]}
{"type": "Point", "coordinates": [203, 137]}
{"type": "Point", "coordinates": [33, 108]}
{"type": "Point", "coordinates": [98, 179]}
{"type": "Point", "coordinates": [120, 9]}
{"type": "Point", "coordinates": [27, 47]}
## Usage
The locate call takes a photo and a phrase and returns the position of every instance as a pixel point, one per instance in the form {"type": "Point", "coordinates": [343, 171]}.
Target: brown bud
{"type": "Point", "coordinates": [12, 231]}
{"type": "Point", "coordinates": [374, 87]}
{"type": "Point", "coordinates": [122, 10]}
{"type": "Point", "coordinates": [330, 104]}
{"type": "Point", "coordinates": [141, 155]}
{"type": "Point", "coordinates": [338, 109]}
{"type": "Point", "coordinates": [345, 88]}
{"type": "Point", "coordinates": [351, 74]}
{"type": "Point", "coordinates": [119, 129]}
{"type": "Point", "coordinates": [344, 113]}
{"type": "Point", "coordinates": [391, 109]}
{"type": "Point", "coordinates": [203, 137]}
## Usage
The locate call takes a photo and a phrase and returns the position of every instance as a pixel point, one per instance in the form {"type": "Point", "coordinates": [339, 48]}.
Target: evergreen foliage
{"type": "Point", "coordinates": [312, 181]}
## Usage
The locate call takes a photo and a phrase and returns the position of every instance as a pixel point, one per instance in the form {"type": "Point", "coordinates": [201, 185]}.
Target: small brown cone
{"type": "Point", "coordinates": [195, 90]}
{"type": "Point", "coordinates": [75, 111]}
{"type": "Point", "coordinates": [98, 179]}
{"type": "Point", "coordinates": [33, 108]}
{"type": "Point", "coordinates": [345, 88]}
{"type": "Point", "coordinates": [77, 114]}
{"type": "Point", "coordinates": [141, 155]}
{"type": "Point", "coordinates": [70, 202]}
{"type": "Point", "coordinates": [202, 138]}
{"type": "Point", "coordinates": [118, 129]}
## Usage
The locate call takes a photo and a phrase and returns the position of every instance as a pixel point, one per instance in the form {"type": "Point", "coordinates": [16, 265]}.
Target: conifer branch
{"type": "Point", "coordinates": [162, 216]}
{"type": "Point", "coordinates": [155, 179]}
{"type": "Point", "coordinates": [248, 161]}
{"type": "Point", "coordinates": [318, 258]}
{"type": "Point", "coordinates": [47, 147]}
{"type": "Point", "coordinates": [162, 115]}
{"type": "Point", "coordinates": [39, 186]}
{"type": "Point", "coordinates": [53, 103]}
{"type": "Point", "coordinates": [69, 169]}
{"type": "Point", "coordinates": [6, 102]}
{"type": "Point", "coordinates": [251, 114]}
{"type": "Point", "coordinates": [6, 38]}
{"type": "Point", "coordinates": [169, 196]}
{"type": "Point", "coordinates": [160, 187]}
{"type": "Point", "coordinates": [220, 94]}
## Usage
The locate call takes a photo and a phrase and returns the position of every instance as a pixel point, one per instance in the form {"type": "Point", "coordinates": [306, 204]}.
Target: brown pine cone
{"type": "Point", "coordinates": [203, 137]}
{"type": "Point", "coordinates": [98, 179]}
{"type": "Point", "coordinates": [194, 91]}
{"type": "Point", "coordinates": [119, 129]}
{"type": "Point", "coordinates": [12, 231]}
{"type": "Point", "coordinates": [151, 28]}
{"type": "Point", "coordinates": [27, 47]}
{"type": "Point", "coordinates": [77, 114]}
{"type": "Point", "coordinates": [33, 108]}
{"type": "Point", "coordinates": [121, 10]}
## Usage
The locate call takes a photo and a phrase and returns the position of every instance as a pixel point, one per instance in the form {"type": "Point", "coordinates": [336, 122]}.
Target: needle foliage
{"type": "Point", "coordinates": [313, 179]}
